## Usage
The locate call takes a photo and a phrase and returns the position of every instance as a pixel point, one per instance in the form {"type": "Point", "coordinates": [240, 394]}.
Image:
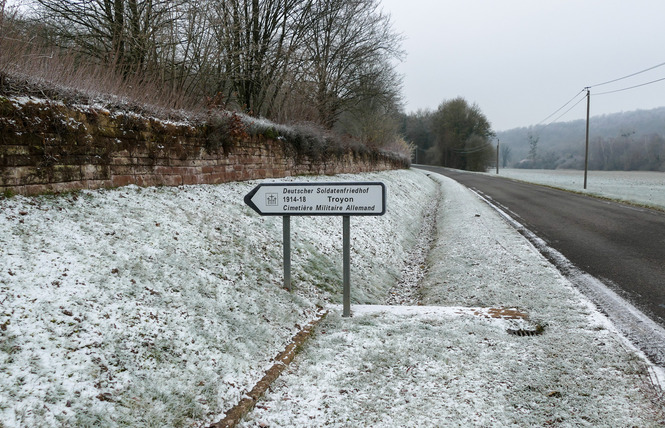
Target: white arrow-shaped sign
{"type": "Point", "coordinates": [352, 198]}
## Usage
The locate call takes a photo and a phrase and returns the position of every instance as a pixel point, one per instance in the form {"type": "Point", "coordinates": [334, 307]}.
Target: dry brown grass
{"type": "Point", "coordinates": [31, 65]}
{"type": "Point", "coordinates": [30, 68]}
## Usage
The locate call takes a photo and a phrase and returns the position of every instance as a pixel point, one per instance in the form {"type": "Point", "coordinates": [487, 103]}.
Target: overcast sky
{"type": "Point", "coordinates": [521, 60]}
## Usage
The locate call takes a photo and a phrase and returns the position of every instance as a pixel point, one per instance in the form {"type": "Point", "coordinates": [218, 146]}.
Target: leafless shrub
{"type": "Point", "coordinates": [223, 130]}
{"type": "Point", "coordinates": [401, 147]}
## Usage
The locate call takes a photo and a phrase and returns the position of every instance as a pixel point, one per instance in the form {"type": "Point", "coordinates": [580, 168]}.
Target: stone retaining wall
{"type": "Point", "coordinates": [46, 146]}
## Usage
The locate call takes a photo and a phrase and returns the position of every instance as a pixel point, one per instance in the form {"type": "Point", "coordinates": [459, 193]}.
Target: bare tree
{"type": "Point", "coordinates": [372, 114]}
{"type": "Point", "coordinates": [3, 4]}
{"type": "Point", "coordinates": [533, 146]}
{"type": "Point", "coordinates": [126, 33]}
{"type": "Point", "coordinates": [348, 43]}
{"type": "Point", "coordinates": [10, 27]}
{"type": "Point", "coordinates": [506, 153]}
{"type": "Point", "coordinates": [256, 41]}
{"type": "Point", "coordinates": [314, 60]}
{"type": "Point", "coordinates": [188, 50]}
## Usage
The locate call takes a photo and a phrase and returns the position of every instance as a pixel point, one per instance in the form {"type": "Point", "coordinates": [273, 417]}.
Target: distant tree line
{"type": "Point", "coordinates": [625, 141]}
{"type": "Point", "coordinates": [628, 153]}
{"type": "Point", "coordinates": [328, 62]}
{"type": "Point", "coordinates": [456, 135]}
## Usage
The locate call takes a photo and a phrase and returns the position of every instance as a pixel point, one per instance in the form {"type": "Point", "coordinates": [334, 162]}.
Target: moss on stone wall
{"type": "Point", "coordinates": [48, 146]}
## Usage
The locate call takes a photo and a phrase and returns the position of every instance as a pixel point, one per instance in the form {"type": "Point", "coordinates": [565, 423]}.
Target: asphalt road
{"type": "Point", "coordinates": [621, 245]}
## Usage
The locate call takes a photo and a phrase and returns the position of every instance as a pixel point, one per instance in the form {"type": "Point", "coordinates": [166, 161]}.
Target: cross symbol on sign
{"type": "Point", "coordinates": [271, 199]}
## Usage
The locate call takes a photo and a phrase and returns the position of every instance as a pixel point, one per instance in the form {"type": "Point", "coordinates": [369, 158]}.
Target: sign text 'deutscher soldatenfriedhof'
{"type": "Point", "coordinates": [350, 198]}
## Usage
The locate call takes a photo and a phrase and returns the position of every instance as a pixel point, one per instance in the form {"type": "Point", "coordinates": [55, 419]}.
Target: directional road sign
{"type": "Point", "coordinates": [324, 198]}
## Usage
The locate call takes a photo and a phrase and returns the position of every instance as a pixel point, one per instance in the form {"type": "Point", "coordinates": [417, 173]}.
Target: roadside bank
{"type": "Point", "coordinates": [449, 364]}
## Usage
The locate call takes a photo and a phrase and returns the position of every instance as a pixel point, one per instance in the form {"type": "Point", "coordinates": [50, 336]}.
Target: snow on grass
{"type": "Point", "coordinates": [163, 306]}
{"type": "Point", "coordinates": [430, 371]}
{"type": "Point", "coordinates": [638, 187]}
{"type": "Point", "coordinates": [409, 367]}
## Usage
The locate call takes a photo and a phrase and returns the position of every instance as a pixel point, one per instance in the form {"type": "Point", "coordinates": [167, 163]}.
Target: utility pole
{"type": "Point", "coordinates": [497, 155]}
{"type": "Point", "coordinates": [586, 151]}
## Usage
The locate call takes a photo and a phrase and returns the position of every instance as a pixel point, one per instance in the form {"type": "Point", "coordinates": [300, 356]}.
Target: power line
{"type": "Point", "coordinates": [562, 107]}
{"type": "Point", "coordinates": [564, 113]}
{"type": "Point", "coordinates": [602, 93]}
{"type": "Point", "coordinates": [588, 97]}
{"type": "Point", "coordinates": [626, 77]}
{"type": "Point", "coordinates": [471, 150]}
{"type": "Point", "coordinates": [631, 87]}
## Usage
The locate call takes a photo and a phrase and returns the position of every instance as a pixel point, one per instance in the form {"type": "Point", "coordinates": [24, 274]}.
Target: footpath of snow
{"type": "Point", "coordinates": [164, 306]}
{"type": "Point", "coordinates": [637, 187]}
{"type": "Point", "coordinates": [445, 364]}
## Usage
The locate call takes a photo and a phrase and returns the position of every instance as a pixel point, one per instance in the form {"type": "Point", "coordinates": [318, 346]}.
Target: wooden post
{"type": "Point", "coordinates": [586, 152]}
{"type": "Point", "coordinates": [497, 155]}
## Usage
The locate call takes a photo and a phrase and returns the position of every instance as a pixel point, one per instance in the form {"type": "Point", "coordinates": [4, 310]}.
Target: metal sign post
{"type": "Point", "coordinates": [346, 268]}
{"type": "Point", "coordinates": [345, 199]}
{"type": "Point", "coordinates": [286, 237]}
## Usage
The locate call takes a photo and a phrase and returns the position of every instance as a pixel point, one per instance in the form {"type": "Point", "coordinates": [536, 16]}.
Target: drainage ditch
{"type": "Point", "coordinates": [407, 290]}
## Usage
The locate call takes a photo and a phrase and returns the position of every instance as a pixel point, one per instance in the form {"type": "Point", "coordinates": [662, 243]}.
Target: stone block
{"type": "Point", "coordinates": [192, 179]}
{"type": "Point", "coordinates": [97, 184]}
{"type": "Point", "coordinates": [216, 178]}
{"type": "Point", "coordinates": [93, 172]}
{"type": "Point", "coordinates": [7, 177]}
{"type": "Point", "coordinates": [122, 169]}
{"type": "Point", "coordinates": [66, 173]}
{"type": "Point", "coordinates": [146, 180]}
{"type": "Point", "coordinates": [14, 150]}
{"type": "Point", "coordinates": [170, 180]}
{"type": "Point", "coordinates": [121, 159]}
{"type": "Point", "coordinates": [122, 180]}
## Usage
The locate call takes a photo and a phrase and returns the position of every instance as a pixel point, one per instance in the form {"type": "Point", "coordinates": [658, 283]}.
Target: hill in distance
{"type": "Point", "coordinates": [633, 140]}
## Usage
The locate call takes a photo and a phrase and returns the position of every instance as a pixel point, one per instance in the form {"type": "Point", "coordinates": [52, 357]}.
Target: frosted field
{"type": "Point", "coordinates": [639, 187]}
{"type": "Point", "coordinates": [142, 307]}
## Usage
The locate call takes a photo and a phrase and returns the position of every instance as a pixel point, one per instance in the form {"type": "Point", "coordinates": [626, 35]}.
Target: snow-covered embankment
{"type": "Point", "coordinates": [452, 363]}
{"type": "Point", "coordinates": [163, 306]}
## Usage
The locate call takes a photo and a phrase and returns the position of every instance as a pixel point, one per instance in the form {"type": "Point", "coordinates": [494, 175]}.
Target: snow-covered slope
{"type": "Point", "coordinates": [163, 306]}
{"type": "Point", "coordinates": [452, 364]}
